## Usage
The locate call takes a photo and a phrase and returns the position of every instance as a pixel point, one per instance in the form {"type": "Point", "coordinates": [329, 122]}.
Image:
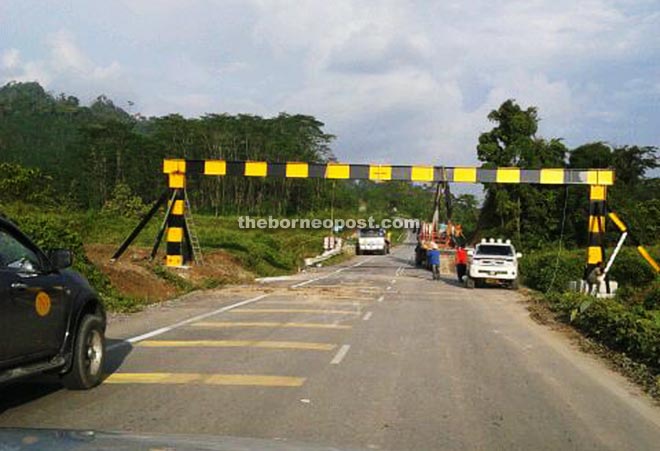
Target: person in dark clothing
{"type": "Point", "coordinates": [461, 262]}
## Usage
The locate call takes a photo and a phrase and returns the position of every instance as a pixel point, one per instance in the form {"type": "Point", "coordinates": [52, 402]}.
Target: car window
{"type": "Point", "coordinates": [16, 256]}
{"type": "Point", "coordinates": [486, 249]}
{"type": "Point", "coordinates": [368, 233]}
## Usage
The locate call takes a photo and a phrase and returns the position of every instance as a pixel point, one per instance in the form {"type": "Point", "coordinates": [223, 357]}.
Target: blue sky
{"type": "Point", "coordinates": [396, 81]}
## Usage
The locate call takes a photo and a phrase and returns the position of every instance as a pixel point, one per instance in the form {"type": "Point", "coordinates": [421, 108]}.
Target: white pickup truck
{"type": "Point", "coordinates": [493, 262]}
{"type": "Point", "coordinates": [372, 241]}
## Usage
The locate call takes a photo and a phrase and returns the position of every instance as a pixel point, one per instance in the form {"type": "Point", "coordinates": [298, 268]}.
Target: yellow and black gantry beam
{"type": "Point", "coordinates": [179, 169]}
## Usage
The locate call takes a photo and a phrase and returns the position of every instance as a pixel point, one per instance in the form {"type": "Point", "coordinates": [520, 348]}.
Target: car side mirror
{"type": "Point", "coordinates": [61, 258]}
{"type": "Point", "coordinates": [518, 255]}
{"type": "Point", "coordinates": [470, 253]}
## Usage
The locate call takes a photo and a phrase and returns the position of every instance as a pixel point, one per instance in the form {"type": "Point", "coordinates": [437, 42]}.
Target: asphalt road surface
{"type": "Point", "coordinates": [370, 354]}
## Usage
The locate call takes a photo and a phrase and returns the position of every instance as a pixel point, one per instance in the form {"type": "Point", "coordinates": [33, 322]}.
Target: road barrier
{"type": "Point", "coordinates": [177, 170]}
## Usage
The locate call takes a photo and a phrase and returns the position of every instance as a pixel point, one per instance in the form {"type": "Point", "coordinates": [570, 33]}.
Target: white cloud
{"type": "Point", "coordinates": [65, 65]}
{"type": "Point", "coordinates": [399, 75]}
{"type": "Point", "coordinates": [396, 80]}
{"type": "Point", "coordinates": [67, 57]}
{"type": "Point", "coordinates": [10, 58]}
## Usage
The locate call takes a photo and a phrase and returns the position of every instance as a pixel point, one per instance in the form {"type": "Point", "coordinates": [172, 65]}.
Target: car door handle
{"type": "Point", "coordinates": [19, 286]}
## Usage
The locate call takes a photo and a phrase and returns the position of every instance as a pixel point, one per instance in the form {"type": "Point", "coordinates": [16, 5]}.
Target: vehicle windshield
{"type": "Point", "coordinates": [492, 249]}
{"type": "Point", "coordinates": [369, 233]}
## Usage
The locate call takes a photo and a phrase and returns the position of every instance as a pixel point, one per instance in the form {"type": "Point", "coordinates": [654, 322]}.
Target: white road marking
{"type": "Point", "coordinates": [388, 288]}
{"type": "Point", "coordinates": [272, 279]}
{"type": "Point", "coordinates": [367, 316]}
{"type": "Point", "coordinates": [302, 284]}
{"type": "Point", "coordinates": [380, 299]}
{"type": "Point", "coordinates": [163, 330]}
{"type": "Point", "coordinates": [340, 354]}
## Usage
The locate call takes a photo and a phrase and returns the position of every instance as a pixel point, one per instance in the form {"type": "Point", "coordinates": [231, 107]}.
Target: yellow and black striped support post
{"type": "Point", "coordinates": [175, 230]}
{"type": "Point", "coordinates": [176, 170]}
{"type": "Point", "coordinates": [597, 216]}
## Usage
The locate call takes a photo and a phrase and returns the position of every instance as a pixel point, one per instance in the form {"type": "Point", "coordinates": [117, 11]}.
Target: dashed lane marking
{"type": "Point", "coordinates": [380, 299]}
{"type": "Point", "coordinates": [367, 316]}
{"type": "Point", "coordinates": [208, 379]}
{"type": "Point", "coordinates": [340, 355]}
{"type": "Point", "coordinates": [194, 319]}
{"type": "Point", "coordinates": [307, 282]}
{"type": "Point", "coordinates": [294, 310]}
{"type": "Point", "coordinates": [272, 324]}
{"type": "Point", "coordinates": [308, 302]}
{"type": "Point", "coordinates": [299, 345]}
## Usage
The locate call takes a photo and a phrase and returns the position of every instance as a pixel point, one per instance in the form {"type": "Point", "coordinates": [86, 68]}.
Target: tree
{"type": "Point", "coordinates": [522, 212]}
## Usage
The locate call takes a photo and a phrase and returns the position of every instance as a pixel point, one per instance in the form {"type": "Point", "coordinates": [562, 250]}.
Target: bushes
{"type": "Point", "coordinates": [124, 203]}
{"type": "Point", "coordinates": [633, 331]}
{"type": "Point", "coordinates": [630, 323]}
{"type": "Point", "coordinates": [538, 269]}
{"type": "Point", "coordinates": [630, 269]}
{"type": "Point", "coordinates": [652, 297]}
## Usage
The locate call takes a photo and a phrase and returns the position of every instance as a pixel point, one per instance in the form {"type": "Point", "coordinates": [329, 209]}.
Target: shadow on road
{"type": "Point", "coordinates": [24, 391]}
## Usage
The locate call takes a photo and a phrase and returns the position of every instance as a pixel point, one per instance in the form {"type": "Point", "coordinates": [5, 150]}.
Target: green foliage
{"type": "Point", "coordinates": [19, 184]}
{"type": "Point", "coordinates": [634, 331]}
{"type": "Point", "coordinates": [526, 214]}
{"type": "Point", "coordinates": [124, 203]}
{"type": "Point", "coordinates": [630, 269]}
{"type": "Point", "coordinates": [652, 297]}
{"type": "Point", "coordinates": [543, 271]}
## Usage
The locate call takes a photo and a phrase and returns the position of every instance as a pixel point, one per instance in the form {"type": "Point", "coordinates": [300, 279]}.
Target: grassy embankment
{"type": "Point", "coordinates": [626, 328]}
{"type": "Point", "coordinates": [94, 236]}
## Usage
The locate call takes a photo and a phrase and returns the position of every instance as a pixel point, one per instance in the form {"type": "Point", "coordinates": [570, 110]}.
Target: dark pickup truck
{"type": "Point", "coordinates": [51, 320]}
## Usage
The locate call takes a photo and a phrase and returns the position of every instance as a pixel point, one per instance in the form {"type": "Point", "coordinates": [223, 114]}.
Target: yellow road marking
{"type": "Point", "coordinates": [292, 310]}
{"type": "Point", "coordinates": [237, 344]}
{"type": "Point", "coordinates": [212, 379]}
{"type": "Point", "coordinates": [270, 324]}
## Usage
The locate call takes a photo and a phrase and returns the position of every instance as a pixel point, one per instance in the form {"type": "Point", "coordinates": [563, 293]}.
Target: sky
{"type": "Point", "coordinates": [402, 82]}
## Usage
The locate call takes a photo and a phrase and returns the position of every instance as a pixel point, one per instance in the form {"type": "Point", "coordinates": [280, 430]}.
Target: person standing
{"type": "Point", "coordinates": [461, 262]}
{"type": "Point", "coordinates": [594, 279]}
{"type": "Point", "coordinates": [434, 261]}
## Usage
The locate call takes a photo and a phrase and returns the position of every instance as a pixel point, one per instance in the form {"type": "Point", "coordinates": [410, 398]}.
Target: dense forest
{"type": "Point", "coordinates": [90, 152]}
{"type": "Point", "coordinates": [55, 150]}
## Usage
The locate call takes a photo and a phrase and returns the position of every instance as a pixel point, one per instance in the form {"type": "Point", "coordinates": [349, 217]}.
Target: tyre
{"type": "Point", "coordinates": [469, 282]}
{"type": "Point", "coordinates": [357, 251]}
{"type": "Point", "coordinates": [514, 284]}
{"type": "Point", "coordinates": [88, 355]}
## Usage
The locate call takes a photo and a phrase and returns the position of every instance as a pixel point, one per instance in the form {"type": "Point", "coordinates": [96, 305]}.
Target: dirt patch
{"type": "Point", "coordinates": [130, 275]}
{"type": "Point", "coordinates": [134, 275]}
{"type": "Point", "coordinates": [220, 266]}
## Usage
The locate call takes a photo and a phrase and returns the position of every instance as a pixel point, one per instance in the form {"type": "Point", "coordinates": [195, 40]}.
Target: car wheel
{"type": "Point", "coordinates": [88, 355]}
{"type": "Point", "coordinates": [514, 284]}
{"type": "Point", "coordinates": [357, 251]}
{"type": "Point", "coordinates": [469, 283]}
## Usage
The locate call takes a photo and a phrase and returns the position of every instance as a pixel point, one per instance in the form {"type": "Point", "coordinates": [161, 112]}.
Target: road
{"type": "Point", "coordinates": [371, 354]}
